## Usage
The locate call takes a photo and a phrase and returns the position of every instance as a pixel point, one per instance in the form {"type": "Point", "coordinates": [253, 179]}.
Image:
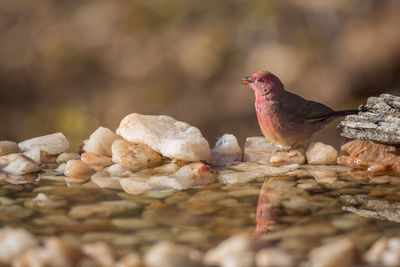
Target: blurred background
{"type": "Point", "coordinates": [72, 66]}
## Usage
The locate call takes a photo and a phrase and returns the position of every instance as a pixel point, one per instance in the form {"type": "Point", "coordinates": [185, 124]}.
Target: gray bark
{"type": "Point", "coordinates": [378, 120]}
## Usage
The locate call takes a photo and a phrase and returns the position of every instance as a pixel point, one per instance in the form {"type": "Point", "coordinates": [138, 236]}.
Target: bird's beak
{"type": "Point", "coordinates": [247, 80]}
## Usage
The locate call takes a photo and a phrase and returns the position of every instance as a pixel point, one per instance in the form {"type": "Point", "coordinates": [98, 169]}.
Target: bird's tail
{"type": "Point", "coordinates": [342, 113]}
{"type": "Point", "coordinates": [339, 113]}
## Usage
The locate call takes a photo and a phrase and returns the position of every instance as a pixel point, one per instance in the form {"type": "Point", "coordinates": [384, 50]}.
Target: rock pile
{"type": "Point", "coordinates": [148, 153]}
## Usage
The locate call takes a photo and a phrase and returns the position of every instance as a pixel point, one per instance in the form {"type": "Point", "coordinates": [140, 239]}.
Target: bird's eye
{"type": "Point", "coordinates": [260, 80]}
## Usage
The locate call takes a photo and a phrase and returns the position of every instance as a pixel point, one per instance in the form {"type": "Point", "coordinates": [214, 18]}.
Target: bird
{"type": "Point", "coordinates": [287, 119]}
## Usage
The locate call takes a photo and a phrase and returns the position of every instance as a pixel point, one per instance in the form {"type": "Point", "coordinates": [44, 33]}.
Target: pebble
{"type": "Point", "coordinates": [92, 159]}
{"type": "Point", "coordinates": [231, 250]}
{"type": "Point", "coordinates": [270, 257]}
{"type": "Point", "coordinates": [117, 170]}
{"type": "Point", "coordinates": [320, 153]}
{"type": "Point", "coordinates": [230, 177]}
{"type": "Point", "coordinates": [77, 169]}
{"type": "Point", "coordinates": [53, 144]}
{"type": "Point", "coordinates": [132, 259]}
{"type": "Point", "coordinates": [260, 150]}
{"type": "Point", "coordinates": [8, 147]}
{"type": "Point", "coordinates": [103, 180]}
{"type": "Point", "coordinates": [17, 164]}
{"type": "Point", "coordinates": [13, 241]}
{"type": "Point", "coordinates": [226, 151]}
{"type": "Point", "coordinates": [64, 157]}
{"type": "Point", "coordinates": [100, 252]}
{"type": "Point", "coordinates": [286, 158]}
{"type": "Point", "coordinates": [53, 202]}
{"type": "Point", "coordinates": [100, 142]}
{"type": "Point", "coordinates": [337, 253]}
{"type": "Point", "coordinates": [134, 156]}
{"type": "Point", "coordinates": [164, 134]}
{"type": "Point", "coordinates": [168, 254]}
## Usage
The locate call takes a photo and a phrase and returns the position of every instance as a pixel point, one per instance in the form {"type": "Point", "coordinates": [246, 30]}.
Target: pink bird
{"type": "Point", "coordinates": [287, 119]}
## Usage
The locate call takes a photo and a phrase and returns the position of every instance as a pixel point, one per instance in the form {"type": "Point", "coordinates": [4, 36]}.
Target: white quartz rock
{"type": "Point", "coordinates": [77, 169]}
{"type": "Point", "coordinates": [117, 170]}
{"type": "Point", "coordinates": [8, 147]}
{"type": "Point", "coordinates": [168, 254]}
{"type": "Point", "coordinates": [320, 153]}
{"type": "Point", "coordinates": [53, 144]}
{"type": "Point", "coordinates": [100, 141]}
{"type": "Point", "coordinates": [134, 156]}
{"type": "Point", "coordinates": [13, 242]}
{"type": "Point", "coordinates": [164, 134]}
{"type": "Point", "coordinates": [226, 150]}
{"type": "Point", "coordinates": [17, 164]}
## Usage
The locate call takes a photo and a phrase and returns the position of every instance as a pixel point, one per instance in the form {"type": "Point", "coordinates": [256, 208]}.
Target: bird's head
{"type": "Point", "coordinates": [265, 84]}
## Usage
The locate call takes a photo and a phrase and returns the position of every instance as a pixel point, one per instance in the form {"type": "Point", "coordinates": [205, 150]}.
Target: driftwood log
{"type": "Point", "coordinates": [378, 120]}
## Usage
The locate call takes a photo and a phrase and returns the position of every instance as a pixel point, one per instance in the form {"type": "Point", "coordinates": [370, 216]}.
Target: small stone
{"type": "Point", "coordinates": [391, 257]}
{"type": "Point", "coordinates": [14, 241]}
{"type": "Point", "coordinates": [226, 150]}
{"type": "Point", "coordinates": [168, 254]}
{"type": "Point", "coordinates": [286, 158]}
{"type": "Point", "coordinates": [17, 164]}
{"type": "Point", "coordinates": [64, 157]}
{"type": "Point", "coordinates": [375, 252]}
{"type": "Point", "coordinates": [164, 134]}
{"type": "Point", "coordinates": [34, 154]}
{"type": "Point", "coordinates": [53, 202]}
{"type": "Point", "coordinates": [53, 144]}
{"type": "Point", "coordinates": [103, 180]}
{"type": "Point", "coordinates": [132, 259]}
{"type": "Point", "coordinates": [100, 252]}
{"type": "Point", "coordinates": [230, 177]}
{"type": "Point", "coordinates": [54, 252]}
{"type": "Point", "coordinates": [61, 168]}
{"type": "Point", "coordinates": [261, 150]}
{"type": "Point", "coordinates": [270, 257]}
{"type": "Point", "coordinates": [96, 159]}
{"type": "Point", "coordinates": [117, 170]}
{"type": "Point", "coordinates": [8, 147]}
{"type": "Point", "coordinates": [100, 142]}
{"type": "Point", "coordinates": [134, 156]}
{"type": "Point", "coordinates": [338, 253]}
{"type": "Point", "coordinates": [231, 248]}
{"type": "Point", "coordinates": [320, 153]}
{"type": "Point", "coordinates": [135, 184]}
{"type": "Point", "coordinates": [77, 169]}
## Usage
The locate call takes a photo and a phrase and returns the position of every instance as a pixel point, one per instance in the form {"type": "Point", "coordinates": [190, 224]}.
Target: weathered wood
{"type": "Point", "coordinates": [378, 120]}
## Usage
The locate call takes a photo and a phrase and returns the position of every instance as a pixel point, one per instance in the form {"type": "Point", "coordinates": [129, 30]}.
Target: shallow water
{"type": "Point", "coordinates": [298, 211]}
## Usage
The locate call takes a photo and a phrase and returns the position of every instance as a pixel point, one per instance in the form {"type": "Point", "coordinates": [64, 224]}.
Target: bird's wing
{"type": "Point", "coordinates": [302, 110]}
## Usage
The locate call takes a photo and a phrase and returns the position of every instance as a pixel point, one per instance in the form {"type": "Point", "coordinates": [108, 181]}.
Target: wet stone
{"type": "Point", "coordinates": [8, 147]}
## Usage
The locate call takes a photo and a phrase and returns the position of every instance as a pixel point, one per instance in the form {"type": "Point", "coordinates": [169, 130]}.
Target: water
{"type": "Point", "coordinates": [297, 212]}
